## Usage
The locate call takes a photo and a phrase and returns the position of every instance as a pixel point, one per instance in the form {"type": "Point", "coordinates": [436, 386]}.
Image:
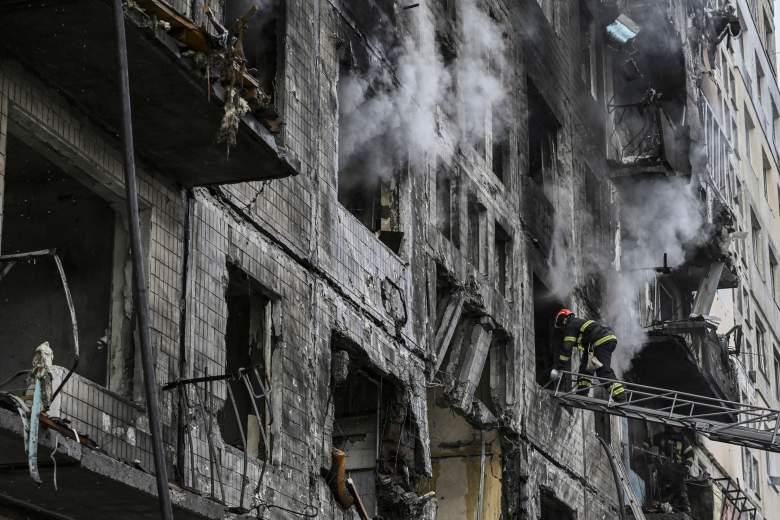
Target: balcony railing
{"type": "Point", "coordinates": [199, 400]}
{"type": "Point", "coordinates": [642, 136]}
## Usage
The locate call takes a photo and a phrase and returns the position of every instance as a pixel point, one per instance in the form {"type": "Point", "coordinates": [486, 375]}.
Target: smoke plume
{"type": "Point", "coordinates": [657, 217]}
{"type": "Point", "coordinates": [386, 114]}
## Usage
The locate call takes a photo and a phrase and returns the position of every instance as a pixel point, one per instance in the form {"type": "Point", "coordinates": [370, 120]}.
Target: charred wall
{"type": "Point", "coordinates": [439, 325]}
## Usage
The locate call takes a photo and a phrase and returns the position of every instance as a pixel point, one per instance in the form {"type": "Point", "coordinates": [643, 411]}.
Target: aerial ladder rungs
{"type": "Point", "coordinates": [717, 419]}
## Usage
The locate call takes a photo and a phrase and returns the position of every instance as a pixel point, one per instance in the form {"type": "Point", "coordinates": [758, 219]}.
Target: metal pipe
{"type": "Point", "coordinates": [141, 298]}
{"type": "Point", "coordinates": [481, 497]}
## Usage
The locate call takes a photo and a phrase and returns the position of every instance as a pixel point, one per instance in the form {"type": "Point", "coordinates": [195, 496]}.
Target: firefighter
{"type": "Point", "coordinates": [676, 453]}
{"type": "Point", "coordinates": [593, 340]}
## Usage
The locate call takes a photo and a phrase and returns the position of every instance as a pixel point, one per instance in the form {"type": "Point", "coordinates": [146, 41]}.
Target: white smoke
{"type": "Point", "coordinates": [477, 70]}
{"type": "Point", "coordinates": [657, 217]}
{"type": "Point", "coordinates": [386, 116]}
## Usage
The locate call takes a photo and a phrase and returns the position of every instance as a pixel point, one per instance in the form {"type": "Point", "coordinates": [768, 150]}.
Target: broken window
{"type": "Point", "coordinates": [543, 130]}
{"type": "Point", "coordinates": [248, 343]}
{"type": "Point", "coordinates": [447, 206]}
{"type": "Point", "coordinates": [552, 508]}
{"type": "Point", "coordinates": [546, 337]}
{"type": "Point", "coordinates": [500, 143]}
{"type": "Point", "coordinates": [46, 208]}
{"type": "Point", "coordinates": [502, 259]}
{"type": "Point", "coordinates": [368, 182]}
{"type": "Point", "coordinates": [373, 427]}
{"type": "Point", "coordinates": [356, 430]}
{"type": "Point", "coordinates": [261, 39]}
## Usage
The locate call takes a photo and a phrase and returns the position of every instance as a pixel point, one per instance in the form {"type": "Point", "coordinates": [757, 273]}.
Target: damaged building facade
{"type": "Point", "coordinates": [360, 219]}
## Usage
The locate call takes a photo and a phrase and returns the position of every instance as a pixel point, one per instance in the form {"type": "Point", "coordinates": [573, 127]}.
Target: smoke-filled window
{"type": "Point", "coordinates": [543, 130]}
{"type": "Point", "coordinates": [500, 142]}
{"type": "Point", "coordinates": [372, 162]}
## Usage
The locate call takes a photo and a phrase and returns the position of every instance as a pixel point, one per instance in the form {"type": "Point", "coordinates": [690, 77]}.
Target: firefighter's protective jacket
{"type": "Point", "coordinates": [584, 334]}
{"type": "Point", "coordinates": [675, 446]}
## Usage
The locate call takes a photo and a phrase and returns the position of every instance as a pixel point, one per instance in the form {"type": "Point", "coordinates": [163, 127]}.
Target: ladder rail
{"type": "Point", "coordinates": [621, 479]}
{"type": "Point", "coordinates": [718, 419]}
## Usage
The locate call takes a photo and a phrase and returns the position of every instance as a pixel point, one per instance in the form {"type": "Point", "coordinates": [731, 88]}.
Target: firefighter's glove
{"type": "Point", "coordinates": [555, 374]}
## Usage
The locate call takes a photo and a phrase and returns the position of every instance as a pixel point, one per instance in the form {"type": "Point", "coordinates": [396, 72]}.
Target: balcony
{"type": "Point", "coordinates": [643, 141]}
{"type": "Point", "coordinates": [688, 356]}
{"type": "Point", "coordinates": [71, 46]}
{"type": "Point", "coordinates": [90, 484]}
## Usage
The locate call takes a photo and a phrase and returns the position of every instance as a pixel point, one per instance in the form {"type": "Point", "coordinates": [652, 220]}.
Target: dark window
{"type": "Point", "coordinates": [477, 234]}
{"type": "Point", "coordinates": [46, 208]}
{"type": "Point", "coordinates": [502, 259]}
{"type": "Point", "coordinates": [542, 138]}
{"type": "Point", "coordinates": [247, 346]}
{"type": "Point", "coordinates": [500, 142]}
{"type": "Point", "coordinates": [447, 204]}
{"type": "Point", "coordinates": [546, 337]}
{"type": "Point", "coordinates": [552, 508]}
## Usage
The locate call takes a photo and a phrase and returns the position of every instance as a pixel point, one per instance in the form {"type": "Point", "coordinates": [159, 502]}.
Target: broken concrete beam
{"type": "Point", "coordinates": [460, 338]}
{"type": "Point", "coordinates": [473, 364]}
{"type": "Point", "coordinates": [446, 327]}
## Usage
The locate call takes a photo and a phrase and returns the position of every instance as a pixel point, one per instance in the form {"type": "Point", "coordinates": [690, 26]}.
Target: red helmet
{"type": "Point", "coordinates": [561, 317]}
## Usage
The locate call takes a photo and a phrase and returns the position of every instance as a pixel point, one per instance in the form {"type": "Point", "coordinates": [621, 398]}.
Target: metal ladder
{"type": "Point", "coordinates": [622, 477]}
